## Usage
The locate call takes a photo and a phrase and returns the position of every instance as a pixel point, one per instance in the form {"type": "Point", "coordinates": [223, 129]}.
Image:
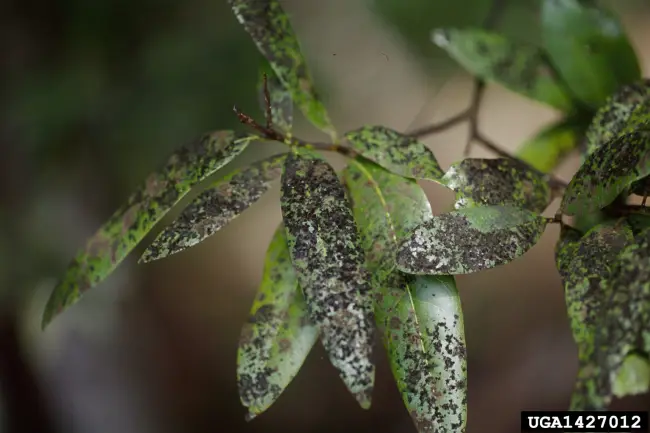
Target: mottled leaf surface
{"type": "Point", "coordinates": [620, 114]}
{"type": "Point", "coordinates": [519, 67]}
{"type": "Point", "coordinates": [145, 207]}
{"type": "Point", "coordinates": [330, 265]}
{"type": "Point", "coordinates": [639, 221]}
{"type": "Point", "coordinates": [608, 172]}
{"type": "Point", "coordinates": [278, 336]}
{"type": "Point", "coordinates": [420, 317]}
{"type": "Point", "coordinates": [501, 181]}
{"type": "Point", "coordinates": [588, 46]}
{"type": "Point", "coordinates": [585, 266]}
{"type": "Point", "coordinates": [396, 152]}
{"type": "Point", "coordinates": [547, 149]}
{"type": "Point", "coordinates": [215, 207]}
{"type": "Point", "coordinates": [280, 101]}
{"type": "Point", "coordinates": [271, 30]}
{"type": "Point", "coordinates": [470, 240]}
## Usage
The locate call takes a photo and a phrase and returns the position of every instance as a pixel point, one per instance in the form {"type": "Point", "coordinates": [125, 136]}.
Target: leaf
{"type": "Point", "coordinates": [619, 115]}
{"type": "Point", "coordinates": [329, 262]}
{"type": "Point", "coordinates": [420, 317]}
{"type": "Point", "coordinates": [608, 172]}
{"type": "Point", "coordinates": [501, 181]}
{"type": "Point", "coordinates": [585, 266]}
{"type": "Point", "coordinates": [271, 30]}
{"type": "Point", "coordinates": [215, 207]}
{"type": "Point", "coordinates": [639, 221]}
{"type": "Point", "coordinates": [589, 48]}
{"type": "Point", "coordinates": [470, 240]}
{"type": "Point", "coordinates": [565, 249]}
{"type": "Point", "coordinates": [280, 100]}
{"type": "Point", "coordinates": [396, 152]}
{"type": "Point", "coordinates": [152, 200]}
{"type": "Point", "coordinates": [546, 150]}
{"type": "Point", "coordinates": [278, 336]}
{"type": "Point", "coordinates": [519, 67]}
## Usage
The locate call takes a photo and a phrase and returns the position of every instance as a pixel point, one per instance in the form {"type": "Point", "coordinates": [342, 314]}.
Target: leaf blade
{"type": "Point", "coordinates": [271, 30]}
{"type": "Point", "coordinates": [519, 67]}
{"type": "Point", "coordinates": [215, 207]}
{"type": "Point", "coordinates": [278, 336]}
{"type": "Point", "coordinates": [469, 240]}
{"type": "Point", "coordinates": [329, 262]}
{"type": "Point", "coordinates": [419, 317]}
{"type": "Point", "coordinates": [111, 243]}
{"type": "Point", "coordinates": [395, 152]}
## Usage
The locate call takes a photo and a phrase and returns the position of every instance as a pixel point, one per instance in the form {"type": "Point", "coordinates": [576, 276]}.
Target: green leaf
{"type": "Point", "coordinates": [519, 67]}
{"type": "Point", "coordinates": [470, 240]}
{"type": "Point", "coordinates": [546, 150]}
{"type": "Point", "coordinates": [214, 208]}
{"type": "Point", "coordinates": [420, 317]}
{"type": "Point", "coordinates": [278, 336]}
{"type": "Point", "coordinates": [565, 249]}
{"type": "Point", "coordinates": [639, 221]}
{"type": "Point", "coordinates": [329, 261]}
{"type": "Point", "coordinates": [621, 114]}
{"type": "Point", "coordinates": [280, 101]}
{"type": "Point", "coordinates": [396, 152]}
{"type": "Point", "coordinates": [589, 48]}
{"type": "Point", "coordinates": [501, 181]}
{"type": "Point", "coordinates": [585, 266]}
{"type": "Point", "coordinates": [152, 200]}
{"type": "Point", "coordinates": [608, 172]}
{"type": "Point", "coordinates": [271, 30]}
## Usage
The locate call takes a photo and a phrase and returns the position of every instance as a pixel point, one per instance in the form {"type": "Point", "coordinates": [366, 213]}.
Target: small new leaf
{"type": "Point", "coordinates": [280, 101]}
{"type": "Point", "coordinates": [152, 200]}
{"type": "Point", "coordinates": [501, 181]}
{"type": "Point", "coordinates": [215, 207]}
{"type": "Point", "coordinates": [271, 30]}
{"type": "Point", "coordinates": [518, 67]}
{"type": "Point", "coordinates": [622, 112]}
{"type": "Point", "coordinates": [589, 48]}
{"type": "Point", "coordinates": [329, 261]}
{"type": "Point", "coordinates": [470, 240]}
{"type": "Point", "coordinates": [607, 172]}
{"type": "Point", "coordinates": [420, 317]}
{"type": "Point", "coordinates": [278, 336]}
{"type": "Point", "coordinates": [396, 152]}
{"type": "Point", "coordinates": [546, 150]}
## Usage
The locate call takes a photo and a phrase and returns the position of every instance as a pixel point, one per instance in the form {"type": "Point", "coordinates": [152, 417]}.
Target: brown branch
{"type": "Point", "coordinates": [267, 102]}
{"type": "Point", "coordinates": [439, 127]}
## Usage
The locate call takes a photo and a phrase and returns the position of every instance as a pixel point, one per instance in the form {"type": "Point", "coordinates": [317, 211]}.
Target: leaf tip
{"type": "Point", "coordinates": [250, 416]}
{"type": "Point", "coordinates": [440, 37]}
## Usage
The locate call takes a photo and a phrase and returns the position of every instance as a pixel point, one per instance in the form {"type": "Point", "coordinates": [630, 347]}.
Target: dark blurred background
{"type": "Point", "coordinates": [95, 94]}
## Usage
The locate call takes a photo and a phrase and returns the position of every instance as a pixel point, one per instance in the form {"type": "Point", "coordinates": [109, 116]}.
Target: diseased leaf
{"type": "Point", "coordinates": [588, 46]}
{"type": "Point", "coordinates": [519, 67]}
{"type": "Point", "coordinates": [420, 317]}
{"type": "Point", "coordinates": [278, 336]}
{"type": "Point", "coordinates": [620, 114]}
{"type": "Point", "coordinates": [548, 148]}
{"type": "Point", "coordinates": [215, 207]}
{"type": "Point", "coordinates": [639, 221]}
{"type": "Point", "coordinates": [396, 152]}
{"type": "Point", "coordinates": [470, 240]}
{"type": "Point", "coordinates": [608, 172]}
{"type": "Point", "coordinates": [329, 263]}
{"type": "Point", "coordinates": [280, 100]}
{"type": "Point", "coordinates": [501, 181]}
{"type": "Point", "coordinates": [585, 266]}
{"type": "Point", "coordinates": [129, 224]}
{"type": "Point", "coordinates": [271, 30]}
{"type": "Point", "coordinates": [565, 249]}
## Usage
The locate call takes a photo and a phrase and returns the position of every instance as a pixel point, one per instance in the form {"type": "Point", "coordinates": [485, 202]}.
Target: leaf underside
{"type": "Point", "coordinates": [278, 336]}
{"type": "Point", "coordinates": [395, 152]}
{"type": "Point", "coordinates": [419, 317]}
{"type": "Point", "coordinates": [518, 67]}
{"type": "Point", "coordinates": [215, 207]}
{"type": "Point", "coordinates": [163, 189]}
{"type": "Point", "coordinates": [501, 181]}
{"type": "Point", "coordinates": [608, 172]}
{"type": "Point", "coordinates": [329, 263]}
{"type": "Point", "coordinates": [271, 30]}
{"type": "Point", "coordinates": [470, 240]}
